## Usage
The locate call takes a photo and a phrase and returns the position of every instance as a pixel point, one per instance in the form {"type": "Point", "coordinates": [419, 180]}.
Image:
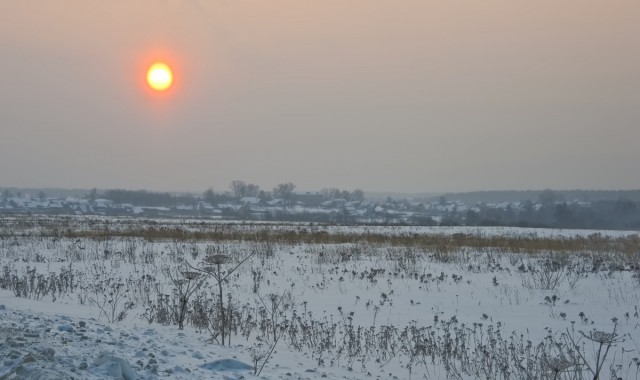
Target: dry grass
{"type": "Point", "coordinates": [150, 230]}
{"type": "Point", "coordinates": [628, 246]}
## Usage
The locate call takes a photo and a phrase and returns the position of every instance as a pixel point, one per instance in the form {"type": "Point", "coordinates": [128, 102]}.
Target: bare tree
{"type": "Point", "coordinates": [6, 194]}
{"type": "Point", "coordinates": [252, 190]}
{"type": "Point", "coordinates": [330, 193]}
{"type": "Point", "coordinates": [209, 195]}
{"type": "Point", "coordinates": [358, 195]}
{"type": "Point", "coordinates": [238, 189]}
{"type": "Point", "coordinates": [284, 190]}
{"type": "Point", "coordinates": [548, 197]}
{"type": "Point", "coordinates": [93, 194]}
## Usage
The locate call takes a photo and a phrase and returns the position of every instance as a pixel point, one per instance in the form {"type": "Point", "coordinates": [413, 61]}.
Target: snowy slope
{"type": "Point", "coordinates": [38, 341]}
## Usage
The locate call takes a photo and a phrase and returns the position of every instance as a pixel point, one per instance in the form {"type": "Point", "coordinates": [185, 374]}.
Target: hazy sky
{"type": "Point", "coordinates": [425, 95]}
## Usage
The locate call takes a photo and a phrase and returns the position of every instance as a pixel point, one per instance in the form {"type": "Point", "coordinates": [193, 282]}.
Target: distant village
{"type": "Point", "coordinates": [322, 207]}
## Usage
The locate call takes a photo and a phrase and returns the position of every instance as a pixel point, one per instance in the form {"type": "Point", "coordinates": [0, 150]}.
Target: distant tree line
{"type": "Point", "coordinates": [238, 189]}
{"type": "Point", "coordinates": [146, 198]}
{"type": "Point", "coordinates": [619, 214]}
{"type": "Point", "coordinates": [559, 195]}
{"type": "Point", "coordinates": [557, 209]}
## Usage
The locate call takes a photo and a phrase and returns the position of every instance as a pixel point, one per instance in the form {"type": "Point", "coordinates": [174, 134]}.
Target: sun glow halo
{"type": "Point", "coordinates": [159, 76]}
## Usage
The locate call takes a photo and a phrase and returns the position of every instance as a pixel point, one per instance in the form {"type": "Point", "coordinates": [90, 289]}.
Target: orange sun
{"type": "Point", "coordinates": [159, 76]}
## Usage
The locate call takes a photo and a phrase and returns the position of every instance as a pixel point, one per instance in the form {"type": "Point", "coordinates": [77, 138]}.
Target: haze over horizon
{"type": "Point", "coordinates": [414, 96]}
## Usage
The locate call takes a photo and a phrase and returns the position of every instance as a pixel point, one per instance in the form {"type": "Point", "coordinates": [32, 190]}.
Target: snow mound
{"type": "Point", "coordinates": [32, 347]}
{"type": "Point", "coordinates": [107, 364]}
{"type": "Point", "coordinates": [33, 372]}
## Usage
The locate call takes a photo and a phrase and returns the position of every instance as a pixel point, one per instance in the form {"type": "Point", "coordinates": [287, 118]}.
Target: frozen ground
{"type": "Point", "coordinates": [344, 311]}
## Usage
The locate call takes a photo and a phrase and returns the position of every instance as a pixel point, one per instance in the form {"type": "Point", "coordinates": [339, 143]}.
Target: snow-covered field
{"type": "Point", "coordinates": [44, 340]}
{"type": "Point", "coordinates": [39, 223]}
{"type": "Point", "coordinates": [94, 305]}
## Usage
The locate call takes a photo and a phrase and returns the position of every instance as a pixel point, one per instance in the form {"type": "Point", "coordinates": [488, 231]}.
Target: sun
{"type": "Point", "coordinates": [159, 76]}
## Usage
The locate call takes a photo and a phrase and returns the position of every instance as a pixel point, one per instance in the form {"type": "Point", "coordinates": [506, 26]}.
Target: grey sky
{"type": "Point", "coordinates": [384, 95]}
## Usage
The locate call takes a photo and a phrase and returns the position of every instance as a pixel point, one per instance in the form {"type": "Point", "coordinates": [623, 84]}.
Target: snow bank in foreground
{"type": "Point", "coordinates": [47, 346]}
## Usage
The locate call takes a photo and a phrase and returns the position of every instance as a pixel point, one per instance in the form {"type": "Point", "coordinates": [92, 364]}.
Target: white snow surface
{"type": "Point", "coordinates": [44, 340]}
{"type": "Point", "coordinates": [368, 286]}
